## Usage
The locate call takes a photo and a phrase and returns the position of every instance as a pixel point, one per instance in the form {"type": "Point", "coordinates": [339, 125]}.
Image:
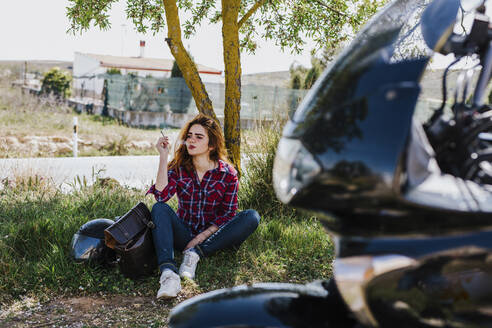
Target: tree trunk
{"type": "Point", "coordinates": [232, 63]}
{"type": "Point", "coordinates": [184, 61]}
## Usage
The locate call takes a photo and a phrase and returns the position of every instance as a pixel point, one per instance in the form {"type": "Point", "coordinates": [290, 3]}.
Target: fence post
{"type": "Point", "coordinates": [75, 139]}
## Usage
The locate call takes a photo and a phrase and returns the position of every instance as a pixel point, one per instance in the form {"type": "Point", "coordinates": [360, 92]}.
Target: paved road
{"type": "Point", "coordinates": [132, 171]}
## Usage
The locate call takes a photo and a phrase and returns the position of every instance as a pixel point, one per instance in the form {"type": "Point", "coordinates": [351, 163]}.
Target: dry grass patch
{"type": "Point", "coordinates": [32, 126]}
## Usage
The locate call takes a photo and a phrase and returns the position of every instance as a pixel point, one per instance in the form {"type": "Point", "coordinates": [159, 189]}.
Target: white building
{"type": "Point", "coordinates": [86, 67]}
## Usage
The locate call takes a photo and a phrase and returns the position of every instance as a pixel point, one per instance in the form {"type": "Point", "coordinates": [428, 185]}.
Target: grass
{"type": "Point", "coordinates": [37, 222]}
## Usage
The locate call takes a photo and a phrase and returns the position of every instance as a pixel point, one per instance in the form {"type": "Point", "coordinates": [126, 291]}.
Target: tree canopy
{"type": "Point", "coordinates": [287, 23]}
{"type": "Point", "coordinates": [56, 82]}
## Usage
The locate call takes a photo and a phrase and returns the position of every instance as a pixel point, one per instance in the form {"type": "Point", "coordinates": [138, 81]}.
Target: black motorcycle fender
{"type": "Point", "coordinates": [316, 304]}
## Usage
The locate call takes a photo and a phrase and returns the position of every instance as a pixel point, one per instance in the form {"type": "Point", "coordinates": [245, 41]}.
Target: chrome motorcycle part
{"type": "Point", "coordinates": [447, 283]}
{"type": "Point", "coordinates": [352, 274]}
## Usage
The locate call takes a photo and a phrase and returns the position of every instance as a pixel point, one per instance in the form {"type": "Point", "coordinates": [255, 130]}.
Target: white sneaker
{"type": "Point", "coordinates": [170, 284]}
{"type": "Point", "coordinates": [188, 267]}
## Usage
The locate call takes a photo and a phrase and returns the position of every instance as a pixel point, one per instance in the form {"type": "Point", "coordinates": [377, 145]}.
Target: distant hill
{"type": "Point", "coordinates": [273, 79]}
{"type": "Point", "coordinates": [40, 66]}
{"type": "Point", "coordinates": [431, 83]}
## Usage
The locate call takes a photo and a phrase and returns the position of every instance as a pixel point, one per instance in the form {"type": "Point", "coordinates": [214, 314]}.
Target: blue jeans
{"type": "Point", "coordinates": [170, 233]}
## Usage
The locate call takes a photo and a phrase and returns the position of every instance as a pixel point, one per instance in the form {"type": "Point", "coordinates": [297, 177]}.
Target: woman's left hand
{"type": "Point", "coordinates": [201, 237]}
{"type": "Point", "coordinates": [195, 241]}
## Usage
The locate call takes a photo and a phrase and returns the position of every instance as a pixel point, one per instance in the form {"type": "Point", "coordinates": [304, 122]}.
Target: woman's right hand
{"type": "Point", "coordinates": [163, 146]}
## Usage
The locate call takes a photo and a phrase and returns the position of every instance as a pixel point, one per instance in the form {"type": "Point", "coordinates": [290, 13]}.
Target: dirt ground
{"type": "Point", "coordinates": [94, 311]}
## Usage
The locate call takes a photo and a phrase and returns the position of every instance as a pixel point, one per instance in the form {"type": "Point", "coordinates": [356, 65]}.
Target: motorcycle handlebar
{"type": "Point", "coordinates": [484, 77]}
{"type": "Point", "coordinates": [478, 41]}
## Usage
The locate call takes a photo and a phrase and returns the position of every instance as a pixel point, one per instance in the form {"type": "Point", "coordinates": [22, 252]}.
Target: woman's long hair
{"type": "Point", "coordinates": [215, 140]}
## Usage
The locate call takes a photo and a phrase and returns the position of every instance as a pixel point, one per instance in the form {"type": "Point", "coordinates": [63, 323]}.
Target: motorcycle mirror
{"type": "Point", "coordinates": [438, 21]}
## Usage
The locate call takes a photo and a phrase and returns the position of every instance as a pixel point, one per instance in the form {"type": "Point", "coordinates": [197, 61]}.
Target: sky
{"type": "Point", "coordinates": [37, 29]}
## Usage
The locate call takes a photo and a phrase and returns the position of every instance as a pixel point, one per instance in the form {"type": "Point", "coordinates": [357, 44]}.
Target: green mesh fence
{"type": "Point", "coordinates": [172, 94]}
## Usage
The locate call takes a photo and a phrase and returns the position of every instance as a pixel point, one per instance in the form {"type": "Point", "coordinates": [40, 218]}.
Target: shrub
{"type": "Point", "coordinates": [296, 81]}
{"type": "Point", "coordinates": [303, 78]}
{"type": "Point", "coordinates": [311, 76]}
{"type": "Point", "coordinates": [113, 71]}
{"type": "Point", "coordinates": [117, 147]}
{"type": "Point", "coordinates": [56, 82]}
{"type": "Point", "coordinates": [175, 71]}
{"type": "Point", "coordinates": [257, 181]}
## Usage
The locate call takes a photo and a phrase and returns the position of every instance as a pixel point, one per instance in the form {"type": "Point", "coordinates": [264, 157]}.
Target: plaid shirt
{"type": "Point", "coordinates": [200, 204]}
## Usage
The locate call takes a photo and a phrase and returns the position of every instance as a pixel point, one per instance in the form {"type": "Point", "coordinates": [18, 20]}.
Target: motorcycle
{"type": "Point", "coordinates": [408, 199]}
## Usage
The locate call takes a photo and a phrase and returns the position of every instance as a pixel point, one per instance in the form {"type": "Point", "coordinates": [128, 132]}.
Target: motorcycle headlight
{"type": "Point", "coordinates": [294, 168]}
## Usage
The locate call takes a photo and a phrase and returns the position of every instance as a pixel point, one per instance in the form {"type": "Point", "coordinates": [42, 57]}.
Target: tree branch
{"type": "Point", "coordinates": [250, 12]}
{"type": "Point", "coordinates": [321, 3]}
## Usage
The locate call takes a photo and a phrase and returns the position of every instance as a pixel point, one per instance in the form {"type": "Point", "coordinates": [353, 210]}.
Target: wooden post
{"type": "Point", "coordinates": [75, 138]}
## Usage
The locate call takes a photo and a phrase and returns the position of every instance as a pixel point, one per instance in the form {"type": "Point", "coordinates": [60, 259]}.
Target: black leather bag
{"type": "Point", "coordinates": [131, 238]}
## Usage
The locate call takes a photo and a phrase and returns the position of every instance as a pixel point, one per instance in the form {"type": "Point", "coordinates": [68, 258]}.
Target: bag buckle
{"type": "Point", "coordinates": [151, 225]}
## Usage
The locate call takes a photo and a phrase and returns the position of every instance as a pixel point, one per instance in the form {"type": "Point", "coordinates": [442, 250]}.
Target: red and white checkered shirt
{"type": "Point", "coordinates": [200, 204]}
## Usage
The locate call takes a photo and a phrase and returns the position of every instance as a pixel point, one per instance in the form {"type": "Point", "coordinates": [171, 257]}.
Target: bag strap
{"type": "Point", "coordinates": [144, 213]}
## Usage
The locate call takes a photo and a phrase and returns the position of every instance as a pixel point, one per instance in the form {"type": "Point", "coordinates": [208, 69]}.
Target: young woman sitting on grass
{"type": "Point", "coordinates": [206, 220]}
